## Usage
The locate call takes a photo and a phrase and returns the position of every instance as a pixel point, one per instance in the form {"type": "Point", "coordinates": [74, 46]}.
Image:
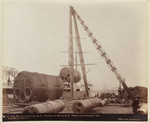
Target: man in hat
{"type": "Point", "coordinates": [135, 104]}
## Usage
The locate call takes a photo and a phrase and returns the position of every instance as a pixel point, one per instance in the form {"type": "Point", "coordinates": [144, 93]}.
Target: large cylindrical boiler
{"type": "Point", "coordinates": [65, 75]}
{"type": "Point", "coordinates": [30, 86]}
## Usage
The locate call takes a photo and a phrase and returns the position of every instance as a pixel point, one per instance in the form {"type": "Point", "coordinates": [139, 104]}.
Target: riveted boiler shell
{"type": "Point", "coordinates": [65, 75]}
{"type": "Point", "coordinates": [30, 86]}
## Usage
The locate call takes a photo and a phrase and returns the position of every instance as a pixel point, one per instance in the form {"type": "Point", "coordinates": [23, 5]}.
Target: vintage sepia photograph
{"type": "Point", "coordinates": [83, 61]}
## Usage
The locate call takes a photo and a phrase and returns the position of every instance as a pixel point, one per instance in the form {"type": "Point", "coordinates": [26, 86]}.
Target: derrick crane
{"type": "Point", "coordinates": [101, 51]}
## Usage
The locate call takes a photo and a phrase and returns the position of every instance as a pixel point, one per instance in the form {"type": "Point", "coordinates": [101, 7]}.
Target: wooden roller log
{"type": "Point", "coordinates": [46, 107]}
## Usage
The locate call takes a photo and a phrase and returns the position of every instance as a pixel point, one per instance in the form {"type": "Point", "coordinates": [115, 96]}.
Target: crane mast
{"type": "Point", "coordinates": [101, 51]}
{"type": "Point", "coordinates": [71, 63]}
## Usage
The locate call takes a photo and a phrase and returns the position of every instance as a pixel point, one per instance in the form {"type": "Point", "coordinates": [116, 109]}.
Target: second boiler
{"type": "Point", "coordinates": [65, 75]}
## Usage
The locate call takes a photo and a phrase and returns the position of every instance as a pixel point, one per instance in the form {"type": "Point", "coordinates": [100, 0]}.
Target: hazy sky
{"type": "Point", "coordinates": [35, 33]}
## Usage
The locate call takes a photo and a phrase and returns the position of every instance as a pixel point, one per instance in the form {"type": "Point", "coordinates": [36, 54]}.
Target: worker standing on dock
{"type": "Point", "coordinates": [135, 105]}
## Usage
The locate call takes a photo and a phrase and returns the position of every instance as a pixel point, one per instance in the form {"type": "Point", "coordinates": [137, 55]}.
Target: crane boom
{"type": "Point", "coordinates": [102, 52]}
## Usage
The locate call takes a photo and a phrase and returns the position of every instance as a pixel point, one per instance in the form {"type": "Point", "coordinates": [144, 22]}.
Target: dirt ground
{"type": "Point", "coordinates": [112, 108]}
{"type": "Point", "coordinates": [108, 109]}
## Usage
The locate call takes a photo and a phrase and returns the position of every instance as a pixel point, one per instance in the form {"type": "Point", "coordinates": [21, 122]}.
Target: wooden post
{"type": "Point", "coordinates": [71, 62]}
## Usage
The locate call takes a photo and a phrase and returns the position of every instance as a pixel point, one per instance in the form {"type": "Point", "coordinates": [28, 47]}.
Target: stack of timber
{"type": "Point", "coordinates": [46, 107]}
